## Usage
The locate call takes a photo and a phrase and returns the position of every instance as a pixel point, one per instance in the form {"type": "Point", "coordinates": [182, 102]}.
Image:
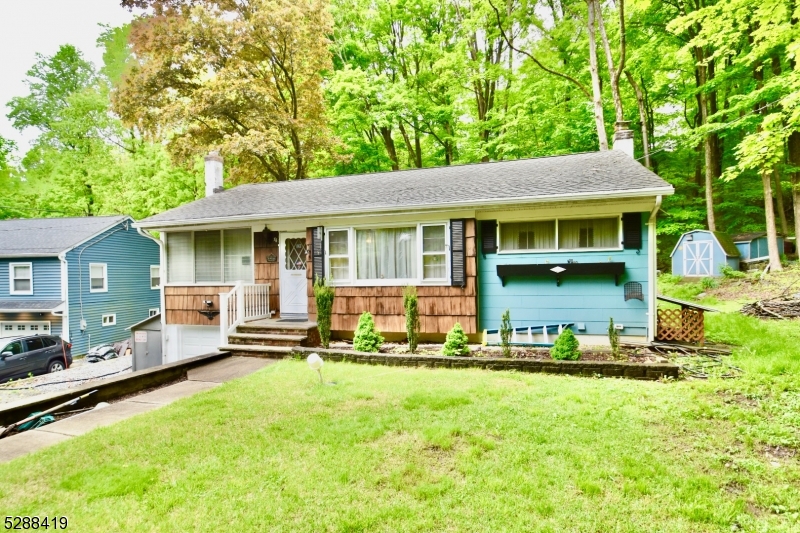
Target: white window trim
{"type": "Point", "coordinates": [557, 249]}
{"type": "Point", "coordinates": [159, 277]}
{"type": "Point", "coordinates": [153, 312]}
{"type": "Point", "coordinates": [165, 282]}
{"type": "Point", "coordinates": [11, 279]}
{"type": "Point", "coordinates": [352, 281]}
{"type": "Point", "coordinates": [105, 277]}
{"type": "Point", "coordinates": [113, 321]}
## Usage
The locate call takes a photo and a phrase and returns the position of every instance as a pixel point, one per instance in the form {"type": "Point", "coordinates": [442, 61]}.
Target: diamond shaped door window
{"type": "Point", "coordinates": [296, 254]}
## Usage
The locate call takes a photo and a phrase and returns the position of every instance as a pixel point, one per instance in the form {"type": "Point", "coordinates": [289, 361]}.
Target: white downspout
{"type": "Point", "coordinates": [162, 273]}
{"type": "Point", "coordinates": [652, 312]}
{"type": "Point", "coordinates": [64, 296]}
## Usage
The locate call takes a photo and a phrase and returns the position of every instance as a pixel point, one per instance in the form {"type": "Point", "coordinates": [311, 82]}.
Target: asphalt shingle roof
{"type": "Point", "coordinates": [481, 183]}
{"type": "Point", "coordinates": [49, 236]}
{"type": "Point", "coordinates": [29, 305]}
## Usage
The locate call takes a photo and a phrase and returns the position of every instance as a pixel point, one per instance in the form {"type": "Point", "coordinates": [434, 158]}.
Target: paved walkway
{"type": "Point", "coordinates": [198, 380]}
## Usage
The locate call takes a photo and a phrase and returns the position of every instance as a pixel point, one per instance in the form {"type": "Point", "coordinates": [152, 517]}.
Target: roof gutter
{"type": "Point", "coordinates": [476, 204]}
{"type": "Point", "coordinates": [23, 255]}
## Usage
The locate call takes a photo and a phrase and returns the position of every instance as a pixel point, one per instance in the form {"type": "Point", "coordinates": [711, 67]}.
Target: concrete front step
{"type": "Point", "coordinates": [268, 339]}
{"type": "Point", "coordinates": [270, 329]}
{"type": "Point", "coordinates": [250, 350]}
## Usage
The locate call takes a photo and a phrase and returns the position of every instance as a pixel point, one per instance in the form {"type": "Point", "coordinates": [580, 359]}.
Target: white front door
{"type": "Point", "coordinates": [294, 298]}
{"type": "Point", "coordinates": [697, 258]}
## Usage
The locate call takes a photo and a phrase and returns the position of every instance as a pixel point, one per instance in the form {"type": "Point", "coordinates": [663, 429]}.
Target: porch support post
{"type": "Point", "coordinates": [223, 318]}
{"type": "Point", "coordinates": [652, 285]}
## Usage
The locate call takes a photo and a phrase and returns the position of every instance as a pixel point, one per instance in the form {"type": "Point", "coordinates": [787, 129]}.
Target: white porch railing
{"type": "Point", "coordinates": [246, 301]}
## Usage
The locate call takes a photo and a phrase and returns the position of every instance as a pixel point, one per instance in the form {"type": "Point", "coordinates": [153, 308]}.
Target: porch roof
{"type": "Point", "coordinates": [595, 175]}
{"type": "Point", "coordinates": [37, 306]}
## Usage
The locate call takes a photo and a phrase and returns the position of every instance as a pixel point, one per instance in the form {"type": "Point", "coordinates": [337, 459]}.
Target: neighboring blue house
{"type": "Point", "coordinates": [753, 246]}
{"type": "Point", "coordinates": [85, 279]}
{"type": "Point", "coordinates": [703, 253]}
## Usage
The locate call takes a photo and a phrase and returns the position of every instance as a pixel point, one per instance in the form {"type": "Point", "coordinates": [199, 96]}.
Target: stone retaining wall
{"type": "Point", "coordinates": [645, 371]}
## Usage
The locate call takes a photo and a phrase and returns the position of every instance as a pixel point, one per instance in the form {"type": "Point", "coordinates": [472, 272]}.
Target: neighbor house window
{"type": "Point", "coordinates": [588, 233]}
{"type": "Point", "coordinates": [98, 277]}
{"type": "Point", "coordinates": [339, 254]}
{"type": "Point", "coordinates": [152, 312]}
{"type": "Point", "coordinates": [210, 256]}
{"type": "Point", "coordinates": [408, 254]}
{"type": "Point", "coordinates": [155, 277]}
{"type": "Point", "coordinates": [21, 278]}
{"type": "Point", "coordinates": [551, 235]}
{"type": "Point", "coordinates": [109, 320]}
{"type": "Point", "coordinates": [528, 235]}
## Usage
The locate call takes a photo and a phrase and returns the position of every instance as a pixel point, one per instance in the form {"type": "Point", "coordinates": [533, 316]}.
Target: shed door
{"type": "Point", "coordinates": [293, 258]}
{"type": "Point", "coordinates": [697, 258]}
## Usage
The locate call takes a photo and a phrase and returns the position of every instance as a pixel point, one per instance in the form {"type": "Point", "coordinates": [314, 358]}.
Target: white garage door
{"type": "Point", "coordinates": [11, 329]}
{"type": "Point", "coordinates": [198, 340]}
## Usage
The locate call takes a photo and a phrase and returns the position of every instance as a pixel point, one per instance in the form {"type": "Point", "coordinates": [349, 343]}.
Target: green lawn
{"type": "Point", "coordinates": [391, 449]}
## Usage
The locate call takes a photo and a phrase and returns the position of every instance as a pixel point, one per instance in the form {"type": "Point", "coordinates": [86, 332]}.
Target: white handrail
{"type": "Point", "coordinates": [246, 301]}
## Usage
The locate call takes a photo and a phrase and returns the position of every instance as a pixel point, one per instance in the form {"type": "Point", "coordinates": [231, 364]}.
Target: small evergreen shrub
{"type": "Point", "coordinates": [367, 338]}
{"type": "Point", "coordinates": [566, 347]}
{"type": "Point", "coordinates": [323, 296]}
{"type": "Point", "coordinates": [613, 338]}
{"type": "Point", "coordinates": [731, 273]}
{"type": "Point", "coordinates": [505, 333]}
{"type": "Point", "coordinates": [410, 304]}
{"type": "Point", "coordinates": [456, 341]}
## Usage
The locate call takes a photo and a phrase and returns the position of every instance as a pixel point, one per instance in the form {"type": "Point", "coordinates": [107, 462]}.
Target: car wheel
{"type": "Point", "coordinates": [56, 366]}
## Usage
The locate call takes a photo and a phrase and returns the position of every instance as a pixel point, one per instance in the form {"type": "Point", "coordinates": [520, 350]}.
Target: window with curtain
{"type": "Point", "coordinates": [528, 235]}
{"type": "Point", "coordinates": [389, 253]}
{"type": "Point", "coordinates": [434, 257]}
{"type": "Point", "coordinates": [338, 254]}
{"type": "Point", "coordinates": [180, 265]}
{"type": "Point", "coordinates": [588, 233]}
{"type": "Point", "coordinates": [238, 263]}
{"type": "Point", "coordinates": [207, 256]}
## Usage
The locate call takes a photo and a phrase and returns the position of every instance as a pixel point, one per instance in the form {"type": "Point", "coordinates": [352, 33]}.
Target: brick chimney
{"type": "Point", "coordinates": [623, 137]}
{"type": "Point", "coordinates": [214, 173]}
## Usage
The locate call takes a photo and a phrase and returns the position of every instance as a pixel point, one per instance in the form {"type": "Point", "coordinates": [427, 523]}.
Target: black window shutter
{"type": "Point", "coordinates": [318, 252]}
{"type": "Point", "coordinates": [458, 268]}
{"type": "Point", "coordinates": [488, 236]}
{"type": "Point", "coordinates": [632, 230]}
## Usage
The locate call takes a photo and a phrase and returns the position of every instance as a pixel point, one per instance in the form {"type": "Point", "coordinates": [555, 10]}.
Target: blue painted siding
{"type": "Point", "coordinates": [588, 299]}
{"type": "Point", "coordinates": [55, 321]}
{"type": "Point", "coordinates": [46, 279]}
{"type": "Point", "coordinates": [759, 248]}
{"type": "Point", "coordinates": [128, 256]}
{"type": "Point", "coordinates": [718, 256]}
{"type": "Point", "coordinates": [744, 250]}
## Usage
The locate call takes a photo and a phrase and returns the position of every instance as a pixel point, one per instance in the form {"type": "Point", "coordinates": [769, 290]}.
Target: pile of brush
{"type": "Point", "coordinates": [781, 308]}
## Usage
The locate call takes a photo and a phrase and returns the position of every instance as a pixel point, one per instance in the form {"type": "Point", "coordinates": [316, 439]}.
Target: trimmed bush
{"type": "Point", "coordinates": [613, 338]}
{"type": "Point", "coordinates": [566, 347]}
{"type": "Point", "coordinates": [367, 338]}
{"type": "Point", "coordinates": [456, 341]}
{"type": "Point", "coordinates": [410, 304]}
{"type": "Point", "coordinates": [323, 296]}
{"type": "Point", "coordinates": [505, 333]}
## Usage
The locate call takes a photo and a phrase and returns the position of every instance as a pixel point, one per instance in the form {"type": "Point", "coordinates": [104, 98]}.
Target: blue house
{"type": "Point", "coordinates": [85, 279]}
{"type": "Point", "coordinates": [703, 253]}
{"type": "Point", "coordinates": [753, 246]}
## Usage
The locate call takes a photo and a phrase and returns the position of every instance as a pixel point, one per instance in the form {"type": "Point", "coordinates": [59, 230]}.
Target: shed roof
{"type": "Point", "coordinates": [684, 303]}
{"type": "Point", "coordinates": [564, 177]}
{"type": "Point", "coordinates": [30, 237]}
{"type": "Point", "coordinates": [723, 239]}
{"type": "Point", "coordinates": [147, 320]}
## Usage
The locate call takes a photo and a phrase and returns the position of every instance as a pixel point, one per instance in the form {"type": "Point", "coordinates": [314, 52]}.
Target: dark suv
{"type": "Point", "coordinates": [21, 356]}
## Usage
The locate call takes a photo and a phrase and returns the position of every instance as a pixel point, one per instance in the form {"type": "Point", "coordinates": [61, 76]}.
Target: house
{"type": "Point", "coordinates": [703, 253]}
{"type": "Point", "coordinates": [753, 246]}
{"type": "Point", "coordinates": [85, 279]}
{"type": "Point", "coordinates": [566, 239]}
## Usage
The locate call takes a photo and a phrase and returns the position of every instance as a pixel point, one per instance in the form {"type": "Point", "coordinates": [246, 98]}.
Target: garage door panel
{"type": "Point", "coordinates": [12, 329]}
{"type": "Point", "coordinates": [198, 340]}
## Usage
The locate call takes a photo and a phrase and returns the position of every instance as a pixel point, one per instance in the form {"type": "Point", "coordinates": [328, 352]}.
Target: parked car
{"type": "Point", "coordinates": [39, 354]}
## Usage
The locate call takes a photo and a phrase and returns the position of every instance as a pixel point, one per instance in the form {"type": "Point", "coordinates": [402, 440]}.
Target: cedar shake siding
{"type": "Point", "coordinates": [266, 244]}
{"type": "Point", "coordinates": [439, 306]}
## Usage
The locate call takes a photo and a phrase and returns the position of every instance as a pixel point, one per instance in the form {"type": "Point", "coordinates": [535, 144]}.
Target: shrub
{"type": "Point", "coordinates": [613, 338]}
{"type": "Point", "coordinates": [505, 333]}
{"type": "Point", "coordinates": [456, 341]}
{"type": "Point", "coordinates": [323, 296]}
{"type": "Point", "coordinates": [729, 272]}
{"type": "Point", "coordinates": [410, 304]}
{"type": "Point", "coordinates": [367, 338]}
{"type": "Point", "coordinates": [709, 283]}
{"type": "Point", "coordinates": [566, 347]}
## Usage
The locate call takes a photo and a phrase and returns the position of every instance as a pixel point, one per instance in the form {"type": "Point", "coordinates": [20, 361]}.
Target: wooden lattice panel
{"type": "Point", "coordinates": [680, 325]}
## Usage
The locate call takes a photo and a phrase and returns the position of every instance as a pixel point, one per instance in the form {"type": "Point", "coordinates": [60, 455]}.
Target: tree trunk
{"type": "Point", "coordinates": [794, 160]}
{"type": "Point", "coordinates": [778, 193]}
{"type": "Point", "coordinates": [708, 143]}
{"type": "Point", "coordinates": [391, 150]}
{"type": "Point", "coordinates": [613, 73]}
{"type": "Point", "coordinates": [412, 154]}
{"type": "Point", "coordinates": [597, 94]}
{"type": "Point", "coordinates": [769, 212]}
{"type": "Point", "coordinates": [642, 118]}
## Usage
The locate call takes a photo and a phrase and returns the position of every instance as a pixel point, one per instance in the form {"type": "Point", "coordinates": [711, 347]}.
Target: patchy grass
{"type": "Point", "coordinates": [390, 449]}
